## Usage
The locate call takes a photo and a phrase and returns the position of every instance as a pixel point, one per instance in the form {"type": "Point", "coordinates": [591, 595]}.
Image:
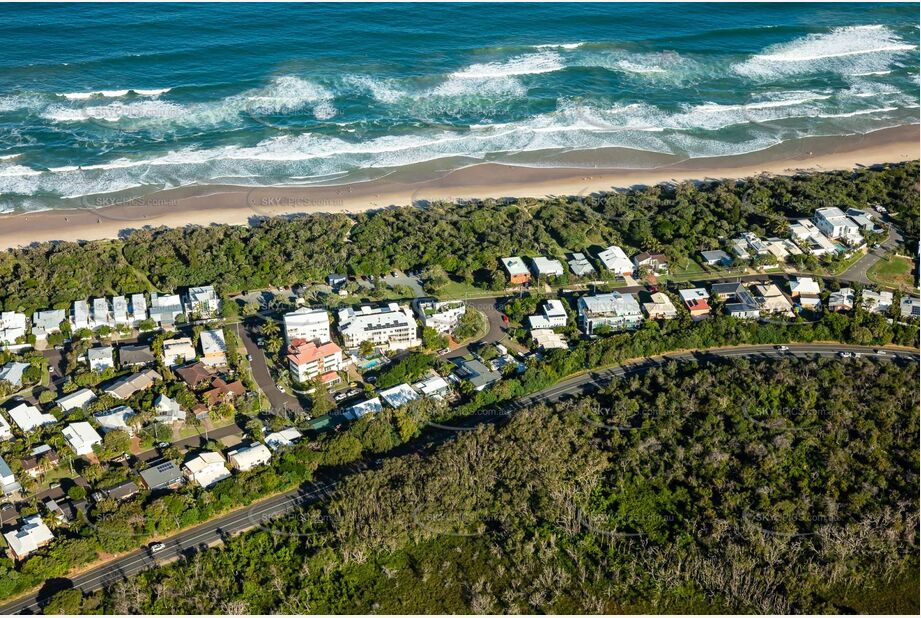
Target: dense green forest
{"type": "Point", "coordinates": [770, 487]}
{"type": "Point", "coordinates": [463, 239]}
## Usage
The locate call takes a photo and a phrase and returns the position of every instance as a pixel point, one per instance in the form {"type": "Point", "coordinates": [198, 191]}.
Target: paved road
{"type": "Point", "coordinates": [857, 272]}
{"type": "Point", "coordinates": [489, 307]}
{"type": "Point", "coordinates": [187, 543]}
{"type": "Point", "coordinates": [278, 400]}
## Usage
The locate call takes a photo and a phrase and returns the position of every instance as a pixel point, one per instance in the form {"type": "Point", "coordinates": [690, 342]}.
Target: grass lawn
{"type": "Point", "coordinates": [459, 289]}
{"type": "Point", "coordinates": [892, 271]}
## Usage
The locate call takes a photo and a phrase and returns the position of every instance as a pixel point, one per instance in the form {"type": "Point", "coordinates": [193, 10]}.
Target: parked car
{"type": "Point", "coordinates": [845, 354]}
{"type": "Point", "coordinates": [443, 351]}
{"type": "Point", "coordinates": [162, 444]}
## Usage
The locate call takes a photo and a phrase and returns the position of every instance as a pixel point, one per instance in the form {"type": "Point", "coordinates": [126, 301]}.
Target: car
{"type": "Point", "coordinates": [156, 547]}
{"type": "Point", "coordinates": [653, 289]}
{"type": "Point", "coordinates": [880, 352]}
{"type": "Point", "coordinates": [782, 348]}
{"type": "Point", "coordinates": [858, 354]}
{"type": "Point", "coordinates": [281, 389]}
{"type": "Point", "coordinates": [249, 357]}
{"type": "Point", "coordinates": [845, 354]}
{"type": "Point", "coordinates": [162, 444]}
{"type": "Point", "coordinates": [443, 351]}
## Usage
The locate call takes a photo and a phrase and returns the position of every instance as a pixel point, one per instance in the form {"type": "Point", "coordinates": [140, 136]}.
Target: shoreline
{"type": "Point", "coordinates": [214, 204]}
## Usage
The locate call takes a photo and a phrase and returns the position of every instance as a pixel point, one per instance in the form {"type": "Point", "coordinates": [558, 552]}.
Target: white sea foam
{"type": "Point", "coordinates": [82, 96]}
{"type": "Point", "coordinates": [527, 64]}
{"type": "Point", "coordinates": [114, 112]}
{"type": "Point", "coordinates": [382, 90]}
{"type": "Point", "coordinates": [559, 46]}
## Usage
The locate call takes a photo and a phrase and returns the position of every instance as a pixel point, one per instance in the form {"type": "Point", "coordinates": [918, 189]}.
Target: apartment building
{"type": "Point", "coordinates": [391, 327]}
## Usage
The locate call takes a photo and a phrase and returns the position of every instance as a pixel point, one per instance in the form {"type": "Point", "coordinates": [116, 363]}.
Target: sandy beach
{"type": "Point", "coordinates": [103, 217]}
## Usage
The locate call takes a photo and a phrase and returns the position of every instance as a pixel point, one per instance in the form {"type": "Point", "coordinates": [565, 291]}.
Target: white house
{"type": "Point", "coordinates": [816, 242]}
{"type": "Point", "coordinates": [615, 260]}
{"type": "Point", "coordinates": [546, 267]}
{"type": "Point", "coordinates": [660, 307]}
{"type": "Point", "coordinates": [836, 224]}
{"type": "Point", "coordinates": [285, 437]}
{"type": "Point", "coordinates": [443, 316]}
{"type": "Point", "coordinates": [369, 406]}
{"type": "Point", "coordinates": [399, 395]}
{"type": "Point", "coordinates": [102, 315]}
{"type": "Point", "coordinates": [12, 326]}
{"type": "Point", "coordinates": [31, 536]}
{"type": "Point", "coordinates": [165, 308]}
{"type": "Point", "coordinates": [76, 399]}
{"type": "Point", "coordinates": [177, 351]}
{"type": "Point", "coordinates": [115, 419]}
{"type": "Point", "coordinates": [434, 386]}
{"type": "Point", "coordinates": [391, 327]}
{"type": "Point", "coordinates": [80, 315]}
{"type": "Point", "coordinates": [580, 266]}
{"type": "Point", "coordinates": [8, 482]}
{"type": "Point", "coordinates": [553, 315]}
{"type": "Point", "coordinates": [100, 359]}
{"type": "Point", "coordinates": [206, 469]}
{"type": "Point", "coordinates": [877, 302]}
{"type": "Point", "coordinates": [910, 307]}
{"type": "Point", "coordinates": [842, 300]}
{"type": "Point", "coordinates": [5, 432]}
{"type": "Point", "coordinates": [307, 360]}
{"type": "Point", "coordinates": [81, 437]}
{"type": "Point", "coordinates": [307, 324]}
{"type": "Point", "coordinates": [249, 457]}
{"type": "Point", "coordinates": [46, 322]}
{"type": "Point", "coordinates": [12, 373]}
{"type": "Point", "coordinates": [168, 410]}
{"type": "Point", "coordinates": [28, 417]}
{"type": "Point", "coordinates": [548, 339]}
{"type": "Point", "coordinates": [213, 348]}
{"type": "Point", "coordinates": [138, 308]}
{"type": "Point", "coordinates": [615, 310]}
{"type": "Point", "coordinates": [203, 301]}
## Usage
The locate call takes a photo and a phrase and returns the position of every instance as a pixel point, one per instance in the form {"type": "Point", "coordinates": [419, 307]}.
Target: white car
{"type": "Point", "coordinates": [156, 547]}
{"type": "Point", "coordinates": [845, 354]}
{"type": "Point", "coordinates": [881, 352]}
{"type": "Point", "coordinates": [782, 348]}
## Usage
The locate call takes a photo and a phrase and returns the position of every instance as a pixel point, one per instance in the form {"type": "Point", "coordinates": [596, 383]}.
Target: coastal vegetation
{"type": "Point", "coordinates": [788, 486]}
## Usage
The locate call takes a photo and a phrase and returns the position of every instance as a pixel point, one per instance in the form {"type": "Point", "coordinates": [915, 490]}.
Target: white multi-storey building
{"type": "Point", "coordinates": [80, 315]}
{"type": "Point", "coordinates": [165, 308]}
{"type": "Point", "coordinates": [12, 326]}
{"type": "Point", "coordinates": [102, 315]}
{"type": "Point", "coordinates": [443, 316]}
{"type": "Point", "coordinates": [615, 260]}
{"type": "Point", "coordinates": [553, 315]}
{"type": "Point", "coordinates": [615, 310]}
{"type": "Point", "coordinates": [391, 327]}
{"type": "Point", "coordinates": [307, 324]}
{"type": "Point", "coordinates": [46, 322]}
{"type": "Point", "coordinates": [203, 301]}
{"type": "Point", "coordinates": [138, 308]}
{"type": "Point", "coordinates": [835, 224]}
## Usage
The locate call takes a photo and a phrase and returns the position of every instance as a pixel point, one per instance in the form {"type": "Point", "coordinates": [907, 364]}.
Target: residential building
{"type": "Point", "coordinates": [877, 302]}
{"type": "Point", "coordinates": [748, 245]}
{"type": "Point", "coordinates": [548, 339]}
{"type": "Point", "coordinates": [653, 262]}
{"type": "Point", "coordinates": [120, 492]}
{"type": "Point", "coordinates": [45, 323]}
{"type": "Point", "coordinates": [168, 410]}
{"type": "Point", "coordinates": [580, 266]}
{"type": "Point", "coordinates": [717, 257]}
{"type": "Point", "coordinates": [842, 300]}
{"type": "Point", "coordinates": [813, 239]}
{"type": "Point", "coordinates": [475, 372]}
{"type": "Point", "coordinates": [553, 315]}
{"type": "Point", "coordinates": [660, 307]}
{"type": "Point", "coordinates": [443, 316]}
{"type": "Point", "coordinates": [6, 432]}
{"type": "Point", "coordinates": [398, 396]}
{"type": "Point", "coordinates": [80, 315]}
{"type": "Point", "coordinates": [369, 406]}
{"type": "Point", "coordinates": [138, 308]}
{"type": "Point", "coordinates": [805, 290]}
{"type": "Point", "coordinates": [115, 419]}
{"type": "Point", "coordinates": [126, 386]}
{"type": "Point", "coordinates": [283, 438]}
{"type": "Point", "coordinates": [334, 280]}
{"type": "Point", "coordinates": [307, 360]}
{"type": "Point", "coordinates": [166, 475]}
{"type": "Point", "coordinates": [518, 273]}
{"type": "Point", "coordinates": [12, 327]}
{"type": "Point", "coordinates": [615, 260]}
{"type": "Point", "coordinates": [75, 400]}
{"type": "Point", "coordinates": [120, 314]}
{"type": "Point", "coordinates": [782, 248]}
{"type": "Point", "coordinates": [615, 310]}
{"type": "Point", "coordinates": [206, 469]}
{"type": "Point", "coordinates": [31, 536]}
{"type": "Point", "coordinates": [696, 300]}
{"type": "Point", "coordinates": [546, 267]}
{"type": "Point", "coordinates": [165, 308]}
{"type": "Point", "coordinates": [835, 224]}
{"type": "Point", "coordinates": [307, 324]}
{"type": "Point", "coordinates": [248, 457]}
{"type": "Point", "coordinates": [27, 417]}
{"type": "Point", "coordinates": [910, 307]}
{"type": "Point", "coordinates": [8, 483]}
{"type": "Point", "coordinates": [135, 355]}
{"type": "Point", "coordinates": [862, 219]}
{"type": "Point", "coordinates": [391, 327]}
{"type": "Point", "coordinates": [41, 459]}
{"type": "Point", "coordinates": [101, 314]}
{"type": "Point", "coordinates": [11, 373]}
{"type": "Point", "coordinates": [177, 351]}
{"type": "Point", "coordinates": [81, 437]}
{"type": "Point", "coordinates": [100, 359]}
{"type": "Point", "coordinates": [213, 348]}
{"type": "Point", "coordinates": [772, 300]}
{"type": "Point", "coordinates": [740, 302]}
{"type": "Point", "coordinates": [434, 386]}
{"type": "Point", "coordinates": [193, 375]}
{"type": "Point", "coordinates": [202, 301]}
{"type": "Point", "coordinates": [222, 391]}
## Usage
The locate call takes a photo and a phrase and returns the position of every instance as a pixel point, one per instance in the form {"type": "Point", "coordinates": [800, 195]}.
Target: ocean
{"type": "Point", "coordinates": [99, 99]}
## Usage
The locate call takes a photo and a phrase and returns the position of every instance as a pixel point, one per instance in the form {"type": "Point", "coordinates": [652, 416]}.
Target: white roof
{"type": "Point", "coordinates": [49, 320]}
{"type": "Point", "coordinates": [5, 433]}
{"type": "Point", "coordinates": [804, 285]}
{"type": "Point", "coordinates": [76, 399]}
{"type": "Point", "coordinates": [515, 266]}
{"type": "Point", "coordinates": [100, 354]}
{"type": "Point", "coordinates": [207, 468]}
{"type": "Point", "coordinates": [553, 308]}
{"type": "Point", "coordinates": [614, 259]}
{"type": "Point", "coordinates": [81, 437]}
{"type": "Point", "coordinates": [250, 456]}
{"type": "Point", "coordinates": [546, 266]}
{"type": "Point", "coordinates": [169, 410]}
{"type": "Point", "coordinates": [614, 303]}
{"type": "Point", "coordinates": [12, 372]}
{"type": "Point", "coordinates": [28, 417]}
{"type": "Point", "coordinates": [32, 534]}
{"type": "Point", "coordinates": [694, 294]}
{"type": "Point", "coordinates": [114, 418]}
{"type": "Point", "coordinates": [399, 395]}
{"type": "Point", "coordinates": [212, 341]}
{"type": "Point", "coordinates": [548, 339]}
{"type": "Point", "coordinates": [371, 406]}
{"type": "Point", "coordinates": [285, 437]}
{"type": "Point", "coordinates": [431, 387]}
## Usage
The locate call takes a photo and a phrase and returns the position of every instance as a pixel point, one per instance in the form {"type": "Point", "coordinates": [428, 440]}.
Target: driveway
{"type": "Point", "coordinates": [280, 402]}
{"type": "Point", "coordinates": [857, 272]}
{"type": "Point", "coordinates": [497, 328]}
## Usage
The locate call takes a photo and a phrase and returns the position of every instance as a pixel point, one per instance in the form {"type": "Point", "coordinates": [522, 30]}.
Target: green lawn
{"type": "Point", "coordinates": [893, 271]}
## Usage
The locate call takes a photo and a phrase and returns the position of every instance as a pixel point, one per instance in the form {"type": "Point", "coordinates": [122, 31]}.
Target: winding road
{"type": "Point", "coordinates": [209, 533]}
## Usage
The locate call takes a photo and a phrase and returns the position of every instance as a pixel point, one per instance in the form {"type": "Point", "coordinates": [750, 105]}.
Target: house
{"type": "Point", "coordinates": [652, 262]}
{"type": "Point", "coordinates": [615, 260]}
{"type": "Point", "coordinates": [740, 302]}
{"type": "Point", "coordinates": [307, 360]}
{"type": "Point", "coordinates": [102, 315]}
{"type": "Point", "coordinates": [168, 410]}
{"type": "Point", "coordinates": [11, 373]}
{"type": "Point", "coordinates": [334, 280]}
{"type": "Point", "coordinates": [202, 301]}
{"type": "Point", "coordinates": [120, 315]}
{"type": "Point", "coordinates": [28, 417]}
{"type": "Point", "coordinates": [41, 459]}
{"type": "Point", "coordinates": [307, 324]}
{"type": "Point", "coordinates": [553, 315]}
{"type": "Point", "coordinates": [115, 419]}
{"type": "Point", "coordinates": [842, 300]}
{"type": "Point", "coordinates": [748, 244]}
{"type": "Point", "coordinates": [12, 327]}
{"type": "Point", "coordinates": [135, 355]}
{"type": "Point", "coordinates": [398, 396]}
{"type": "Point", "coordinates": [75, 400]}
{"type": "Point", "coordinates": [8, 483]}
{"type": "Point", "coordinates": [391, 326]}
{"type": "Point", "coordinates": [213, 348]}
{"type": "Point", "coordinates": [580, 266]}
{"type": "Point", "coordinates": [615, 311]}
{"type": "Point", "coordinates": [176, 351]}
{"type": "Point", "coordinates": [862, 219]}
{"type": "Point", "coordinates": [206, 469]}
{"type": "Point", "coordinates": [120, 492]}
{"type": "Point", "coordinates": [546, 267]}
{"type": "Point", "coordinates": [772, 300]}
{"type": "Point", "coordinates": [476, 372]}
{"type": "Point", "coordinates": [660, 307]}
{"type": "Point", "coordinates": [138, 308]}
{"type": "Point", "coordinates": [31, 536]}
{"type": "Point", "coordinates": [100, 359]}
{"type": "Point", "coordinates": [5, 432]}
{"type": "Point", "coordinates": [369, 406]}
{"type": "Point", "coordinates": [166, 475]}
{"type": "Point", "coordinates": [716, 257]}
{"type": "Point", "coordinates": [696, 300]}
{"type": "Point", "coordinates": [126, 386]}
{"type": "Point", "coordinates": [45, 323]}
{"type": "Point", "coordinates": [165, 308]}
{"type": "Point", "coordinates": [64, 511]}
{"type": "Point", "coordinates": [434, 386]}
{"type": "Point", "coordinates": [812, 238]}
{"type": "Point", "coordinates": [223, 391]}
{"type": "Point", "coordinates": [782, 248]}
{"type": "Point", "coordinates": [548, 339]}
{"type": "Point", "coordinates": [835, 224]}
{"type": "Point", "coordinates": [910, 307]}
{"type": "Point", "coordinates": [877, 302]}
{"type": "Point", "coordinates": [283, 438]}
{"type": "Point", "coordinates": [518, 273]}
{"type": "Point", "coordinates": [443, 316]}
{"type": "Point", "coordinates": [805, 290]}
{"type": "Point", "coordinates": [81, 437]}
{"type": "Point", "coordinates": [80, 315]}
{"type": "Point", "coordinates": [249, 457]}
{"type": "Point", "coordinates": [193, 375]}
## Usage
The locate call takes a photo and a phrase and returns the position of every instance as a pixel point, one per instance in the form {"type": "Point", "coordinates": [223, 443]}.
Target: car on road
{"type": "Point", "coordinates": [156, 547]}
{"type": "Point", "coordinates": [782, 348]}
{"type": "Point", "coordinates": [443, 351]}
{"type": "Point", "coordinates": [845, 354]}
{"type": "Point", "coordinates": [162, 444]}
{"type": "Point", "coordinates": [281, 389]}
{"type": "Point", "coordinates": [249, 357]}
{"type": "Point", "coordinates": [880, 352]}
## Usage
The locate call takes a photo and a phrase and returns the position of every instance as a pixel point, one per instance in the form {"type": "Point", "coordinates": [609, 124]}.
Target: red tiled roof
{"type": "Point", "coordinates": [301, 352]}
{"type": "Point", "coordinates": [696, 304]}
{"type": "Point", "coordinates": [329, 376]}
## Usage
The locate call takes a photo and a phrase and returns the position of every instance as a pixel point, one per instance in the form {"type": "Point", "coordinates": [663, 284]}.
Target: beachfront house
{"type": "Point", "coordinates": [656, 263]}
{"type": "Point", "coordinates": [138, 308]}
{"type": "Point", "coordinates": [614, 311]}
{"type": "Point", "coordinates": [398, 396]}
{"type": "Point", "coordinates": [616, 261]}
{"type": "Point", "coordinates": [580, 266]}
{"type": "Point", "coordinates": [812, 238]}
{"type": "Point", "coordinates": [552, 315]}
{"type": "Point", "coordinates": [517, 271]}
{"type": "Point", "coordinates": [12, 327]}
{"type": "Point", "coordinates": [45, 323]}
{"type": "Point", "coordinates": [202, 302]}
{"type": "Point", "coordinates": [101, 313]}
{"type": "Point", "coordinates": [877, 302]}
{"type": "Point", "coordinates": [165, 308]}
{"type": "Point", "coordinates": [390, 327]}
{"type": "Point", "coordinates": [716, 257]}
{"type": "Point", "coordinates": [546, 267]}
{"type": "Point", "coordinates": [443, 316]}
{"type": "Point", "coordinates": [835, 224]}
